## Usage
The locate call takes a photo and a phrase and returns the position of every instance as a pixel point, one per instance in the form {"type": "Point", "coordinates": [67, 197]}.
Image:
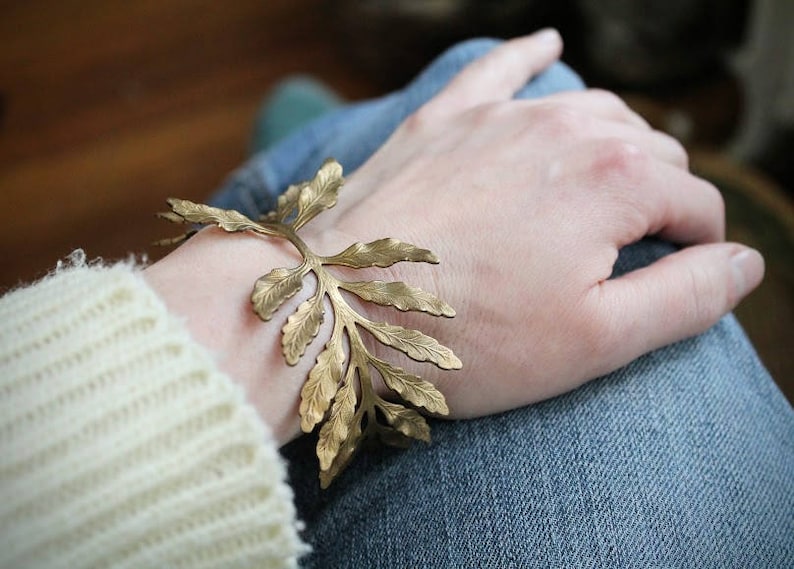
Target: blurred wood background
{"type": "Point", "coordinates": [107, 108]}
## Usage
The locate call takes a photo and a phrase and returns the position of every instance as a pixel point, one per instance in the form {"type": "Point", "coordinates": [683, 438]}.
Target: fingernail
{"type": "Point", "coordinates": [748, 270]}
{"type": "Point", "coordinates": [548, 35]}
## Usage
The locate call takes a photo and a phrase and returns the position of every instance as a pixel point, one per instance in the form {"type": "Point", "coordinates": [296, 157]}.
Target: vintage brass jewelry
{"type": "Point", "coordinates": [329, 395]}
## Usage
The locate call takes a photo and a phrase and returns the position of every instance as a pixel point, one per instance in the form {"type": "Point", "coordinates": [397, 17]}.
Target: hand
{"type": "Point", "coordinates": [527, 204]}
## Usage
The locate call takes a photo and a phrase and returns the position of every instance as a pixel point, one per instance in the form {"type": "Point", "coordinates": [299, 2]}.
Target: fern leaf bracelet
{"type": "Point", "coordinates": [348, 416]}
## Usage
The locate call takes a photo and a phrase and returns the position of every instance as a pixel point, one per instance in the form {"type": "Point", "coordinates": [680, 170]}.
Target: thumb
{"type": "Point", "coordinates": [678, 296]}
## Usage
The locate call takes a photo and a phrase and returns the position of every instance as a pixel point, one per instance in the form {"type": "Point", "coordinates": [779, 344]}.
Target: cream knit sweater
{"type": "Point", "coordinates": [121, 444]}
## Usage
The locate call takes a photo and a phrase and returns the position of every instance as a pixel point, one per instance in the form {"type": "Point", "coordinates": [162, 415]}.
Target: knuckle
{"type": "Point", "coordinates": [677, 151]}
{"type": "Point", "coordinates": [705, 299]}
{"type": "Point", "coordinates": [618, 158]}
{"type": "Point", "coordinates": [617, 107]}
{"type": "Point", "coordinates": [419, 120]}
{"type": "Point", "coordinates": [607, 97]}
{"type": "Point", "coordinates": [680, 153]}
{"type": "Point", "coordinates": [488, 113]}
{"type": "Point", "coordinates": [559, 121]}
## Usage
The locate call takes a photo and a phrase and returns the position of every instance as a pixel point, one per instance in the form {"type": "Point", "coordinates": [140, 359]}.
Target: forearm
{"type": "Point", "coordinates": [208, 282]}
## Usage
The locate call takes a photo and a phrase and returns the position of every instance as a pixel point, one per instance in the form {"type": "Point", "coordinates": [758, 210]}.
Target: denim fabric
{"type": "Point", "coordinates": [684, 458]}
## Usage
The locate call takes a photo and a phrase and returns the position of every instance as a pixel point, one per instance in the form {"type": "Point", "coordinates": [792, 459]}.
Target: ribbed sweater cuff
{"type": "Point", "coordinates": [121, 444]}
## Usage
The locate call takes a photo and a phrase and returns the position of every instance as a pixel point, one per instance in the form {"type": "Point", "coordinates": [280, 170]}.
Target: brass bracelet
{"type": "Point", "coordinates": [329, 396]}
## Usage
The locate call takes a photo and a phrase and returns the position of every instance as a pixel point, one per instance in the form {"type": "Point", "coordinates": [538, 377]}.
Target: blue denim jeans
{"type": "Point", "coordinates": [684, 458]}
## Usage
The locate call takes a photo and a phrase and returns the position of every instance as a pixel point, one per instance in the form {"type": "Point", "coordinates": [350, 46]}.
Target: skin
{"type": "Point", "coordinates": [526, 203]}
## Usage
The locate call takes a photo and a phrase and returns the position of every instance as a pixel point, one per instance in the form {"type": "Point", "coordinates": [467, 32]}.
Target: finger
{"type": "Point", "coordinates": [639, 195]}
{"type": "Point", "coordinates": [661, 146]}
{"type": "Point", "coordinates": [679, 296]}
{"type": "Point", "coordinates": [498, 75]}
{"type": "Point", "coordinates": [572, 121]}
{"type": "Point", "coordinates": [680, 207]}
{"type": "Point", "coordinates": [600, 103]}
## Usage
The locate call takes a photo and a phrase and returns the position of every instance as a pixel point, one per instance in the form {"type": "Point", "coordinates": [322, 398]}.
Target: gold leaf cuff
{"type": "Point", "coordinates": [329, 396]}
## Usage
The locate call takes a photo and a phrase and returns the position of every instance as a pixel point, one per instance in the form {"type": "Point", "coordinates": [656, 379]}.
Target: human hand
{"type": "Point", "coordinates": [527, 204]}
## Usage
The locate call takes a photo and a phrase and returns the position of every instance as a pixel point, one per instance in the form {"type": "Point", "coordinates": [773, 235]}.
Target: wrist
{"type": "Point", "coordinates": [208, 282]}
{"type": "Point", "coordinates": [330, 393]}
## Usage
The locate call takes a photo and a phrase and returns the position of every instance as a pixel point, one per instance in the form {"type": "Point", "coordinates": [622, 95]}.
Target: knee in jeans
{"type": "Point", "coordinates": [461, 54]}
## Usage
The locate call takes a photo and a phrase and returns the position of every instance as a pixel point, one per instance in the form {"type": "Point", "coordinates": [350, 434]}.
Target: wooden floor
{"type": "Point", "coordinates": [107, 108]}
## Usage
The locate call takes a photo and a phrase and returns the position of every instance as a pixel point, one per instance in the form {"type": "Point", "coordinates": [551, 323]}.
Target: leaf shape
{"type": "Point", "coordinates": [325, 394]}
{"type": "Point", "coordinates": [320, 194]}
{"type": "Point", "coordinates": [335, 430]}
{"type": "Point", "coordinates": [381, 253]}
{"type": "Point", "coordinates": [301, 328]}
{"type": "Point", "coordinates": [344, 456]}
{"type": "Point", "coordinates": [399, 295]}
{"type": "Point", "coordinates": [175, 240]}
{"type": "Point", "coordinates": [320, 388]}
{"type": "Point", "coordinates": [406, 421]}
{"type": "Point", "coordinates": [286, 205]}
{"type": "Point", "coordinates": [411, 387]}
{"type": "Point", "coordinates": [414, 344]}
{"type": "Point", "coordinates": [271, 290]}
{"type": "Point", "coordinates": [394, 438]}
{"type": "Point", "coordinates": [171, 216]}
{"type": "Point", "coordinates": [227, 219]}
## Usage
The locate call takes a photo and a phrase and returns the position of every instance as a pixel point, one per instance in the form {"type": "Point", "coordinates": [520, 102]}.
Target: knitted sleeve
{"type": "Point", "coordinates": [121, 444]}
